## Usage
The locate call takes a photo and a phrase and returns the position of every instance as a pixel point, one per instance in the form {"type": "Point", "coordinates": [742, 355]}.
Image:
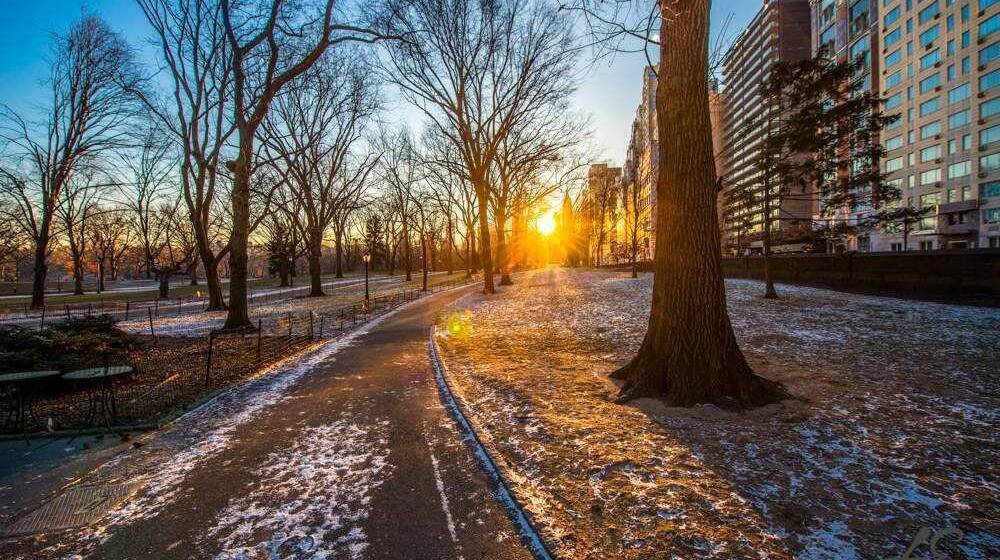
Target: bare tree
{"type": "Point", "coordinates": [148, 171]}
{"type": "Point", "coordinates": [195, 56]}
{"type": "Point", "coordinates": [310, 136]}
{"type": "Point", "coordinates": [109, 236]}
{"type": "Point", "coordinates": [92, 71]}
{"type": "Point", "coordinates": [400, 172]}
{"type": "Point", "coordinates": [271, 43]}
{"type": "Point", "coordinates": [76, 211]}
{"type": "Point", "coordinates": [174, 245]}
{"type": "Point", "coordinates": [475, 70]}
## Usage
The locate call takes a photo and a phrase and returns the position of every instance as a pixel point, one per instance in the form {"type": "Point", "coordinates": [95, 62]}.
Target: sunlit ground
{"type": "Point", "coordinates": [882, 439]}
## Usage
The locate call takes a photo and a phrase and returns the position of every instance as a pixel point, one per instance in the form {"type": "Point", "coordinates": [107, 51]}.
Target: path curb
{"type": "Point", "coordinates": [493, 465]}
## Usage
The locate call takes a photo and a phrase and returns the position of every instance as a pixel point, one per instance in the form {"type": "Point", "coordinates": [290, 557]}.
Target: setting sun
{"type": "Point", "coordinates": [546, 223]}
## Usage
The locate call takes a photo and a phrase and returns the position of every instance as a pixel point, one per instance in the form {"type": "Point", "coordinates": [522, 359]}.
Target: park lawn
{"type": "Point", "coordinates": [892, 426]}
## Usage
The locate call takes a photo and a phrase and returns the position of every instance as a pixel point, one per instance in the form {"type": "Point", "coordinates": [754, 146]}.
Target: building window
{"type": "Point", "coordinates": [930, 82]}
{"type": "Point", "coordinates": [960, 93]}
{"type": "Point", "coordinates": [989, 54]}
{"type": "Point", "coordinates": [893, 58]}
{"type": "Point", "coordinates": [894, 164]}
{"type": "Point", "coordinates": [892, 37]}
{"type": "Point", "coordinates": [930, 106]}
{"type": "Point", "coordinates": [929, 177]}
{"type": "Point", "coordinates": [991, 216]}
{"type": "Point", "coordinates": [929, 12]}
{"type": "Point", "coordinates": [989, 135]}
{"type": "Point", "coordinates": [930, 130]}
{"type": "Point", "coordinates": [958, 119]}
{"type": "Point", "coordinates": [893, 101]}
{"type": "Point", "coordinates": [989, 108]}
{"type": "Point", "coordinates": [989, 27]}
{"type": "Point", "coordinates": [930, 153]}
{"type": "Point", "coordinates": [929, 59]}
{"type": "Point", "coordinates": [991, 189]}
{"type": "Point", "coordinates": [891, 17]}
{"type": "Point", "coordinates": [864, 244]}
{"type": "Point", "coordinates": [894, 143]}
{"type": "Point", "coordinates": [894, 79]}
{"type": "Point", "coordinates": [987, 81]}
{"type": "Point", "coordinates": [989, 164]}
{"type": "Point", "coordinates": [928, 37]}
{"type": "Point", "coordinates": [926, 245]}
{"type": "Point", "coordinates": [960, 169]}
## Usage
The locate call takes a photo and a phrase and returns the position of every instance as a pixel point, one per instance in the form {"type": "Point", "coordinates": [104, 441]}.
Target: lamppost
{"type": "Point", "coordinates": [367, 258]}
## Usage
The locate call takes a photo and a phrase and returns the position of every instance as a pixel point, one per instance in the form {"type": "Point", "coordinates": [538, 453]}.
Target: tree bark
{"type": "Point", "coordinates": [283, 272]}
{"type": "Point", "coordinates": [164, 278]}
{"type": "Point", "coordinates": [41, 268]}
{"type": "Point", "coordinates": [689, 354]}
{"type": "Point", "coordinates": [239, 317]}
{"type": "Point", "coordinates": [502, 252]}
{"type": "Point", "coordinates": [485, 256]}
{"type": "Point", "coordinates": [315, 271]}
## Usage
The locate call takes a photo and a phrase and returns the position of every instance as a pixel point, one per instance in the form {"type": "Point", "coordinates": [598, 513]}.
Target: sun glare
{"type": "Point", "coordinates": [546, 223]}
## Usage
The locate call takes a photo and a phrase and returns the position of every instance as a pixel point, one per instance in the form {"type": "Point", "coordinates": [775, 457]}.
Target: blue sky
{"type": "Point", "coordinates": [610, 92]}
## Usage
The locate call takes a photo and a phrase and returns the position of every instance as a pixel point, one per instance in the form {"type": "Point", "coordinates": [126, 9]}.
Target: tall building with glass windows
{"type": "Point", "coordinates": [939, 73]}
{"type": "Point", "coordinates": [780, 32]}
{"type": "Point", "coordinates": [848, 30]}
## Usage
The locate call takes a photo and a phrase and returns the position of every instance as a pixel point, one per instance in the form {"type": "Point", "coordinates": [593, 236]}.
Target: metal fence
{"type": "Point", "coordinates": [172, 372]}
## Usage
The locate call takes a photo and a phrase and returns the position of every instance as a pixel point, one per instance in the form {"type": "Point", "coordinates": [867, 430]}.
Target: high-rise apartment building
{"type": "Point", "coordinates": [780, 32]}
{"type": "Point", "coordinates": [846, 30]}
{"type": "Point", "coordinates": [641, 169]}
{"type": "Point", "coordinates": [601, 215]}
{"type": "Point", "coordinates": [940, 74]}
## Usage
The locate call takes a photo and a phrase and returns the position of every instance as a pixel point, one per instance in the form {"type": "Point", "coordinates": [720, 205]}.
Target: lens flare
{"type": "Point", "coordinates": [546, 223]}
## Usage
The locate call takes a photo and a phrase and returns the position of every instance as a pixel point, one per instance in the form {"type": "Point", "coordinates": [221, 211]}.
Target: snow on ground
{"type": "Point", "coordinates": [309, 500]}
{"type": "Point", "coordinates": [893, 426]}
{"type": "Point", "coordinates": [339, 294]}
{"type": "Point", "coordinates": [157, 470]}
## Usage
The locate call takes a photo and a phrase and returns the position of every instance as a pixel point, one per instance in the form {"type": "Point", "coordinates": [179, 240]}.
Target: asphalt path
{"type": "Point", "coordinates": [356, 459]}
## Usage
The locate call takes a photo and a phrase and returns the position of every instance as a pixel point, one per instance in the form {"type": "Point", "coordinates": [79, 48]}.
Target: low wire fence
{"type": "Point", "coordinates": [172, 372]}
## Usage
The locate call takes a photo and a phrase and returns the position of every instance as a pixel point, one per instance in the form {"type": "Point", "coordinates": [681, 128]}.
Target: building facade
{"type": "Point", "coordinates": [640, 171]}
{"type": "Point", "coordinates": [940, 75]}
{"type": "Point", "coordinates": [780, 32]}
{"type": "Point", "coordinates": [601, 215]}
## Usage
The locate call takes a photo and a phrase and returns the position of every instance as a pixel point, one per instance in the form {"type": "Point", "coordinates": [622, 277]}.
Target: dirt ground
{"type": "Point", "coordinates": [893, 425]}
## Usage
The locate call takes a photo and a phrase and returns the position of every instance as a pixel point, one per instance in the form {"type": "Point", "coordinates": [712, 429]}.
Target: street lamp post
{"type": "Point", "coordinates": [367, 258]}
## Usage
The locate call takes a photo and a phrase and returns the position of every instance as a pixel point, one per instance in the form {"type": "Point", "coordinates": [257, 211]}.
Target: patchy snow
{"type": "Point", "coordinates": [157, 470]}
{"type": "Point", "coordinates": [893, 426]}
{"type": "Point", "coordinates": [310, 499]}
{"type": "Point", "coordinates": [272, 313]}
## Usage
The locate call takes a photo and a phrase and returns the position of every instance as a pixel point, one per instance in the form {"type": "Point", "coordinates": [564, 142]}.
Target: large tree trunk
{"type": "Point", "coordinates": [503, 255]}
{"type": "Point", "coordinates": [315, 272]}
{"type": "Point", "coordinates": [164, 278]}
{"type": "Point", "coordinates": [239, 317]}
{"type": "Point", "coordinates": [689, 354]}
{"type": "Point", "coordinates": [485, 246]}
{"type": "Point", "coordinates": [216, 301]}
{"type": "Point", "coordinates": [283, 272]}
{"type": "Point", "coordinates": [41, 268]}
{"type": "Point", "coordinates": [77, 273]}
